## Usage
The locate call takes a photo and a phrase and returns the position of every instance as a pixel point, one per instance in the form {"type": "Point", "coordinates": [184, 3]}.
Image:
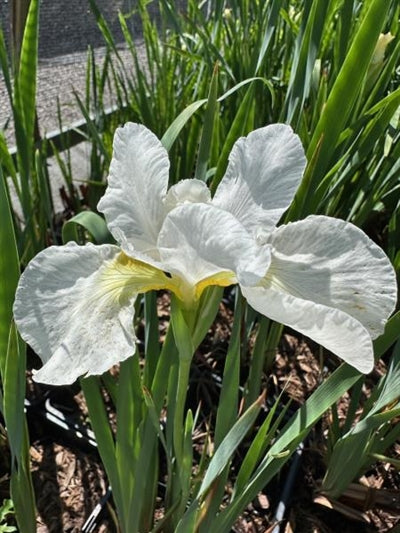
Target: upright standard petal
{"type": "Point", "coordinates": [73, 310]}
{"type": "Point", "coordinates": [205, 245]}
{"type": "Point", "coordinates": [137, 184]}
{"type": "Point", "coordinates": [329, 281]}
{"type": "Point", "coordinates": [189, 191]}
{"type": "Point", "coordinates": [264, 171]}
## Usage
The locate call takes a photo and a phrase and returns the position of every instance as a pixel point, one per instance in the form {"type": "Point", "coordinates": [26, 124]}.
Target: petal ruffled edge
{"type": "Point", "coordinates": [69, 309]}
{"type": "Point", "coordinates": [137, 183]}
{"type": "Point", "coordinates": [334, 263]}
{"type": "Point", "coordinates": [337, 331]}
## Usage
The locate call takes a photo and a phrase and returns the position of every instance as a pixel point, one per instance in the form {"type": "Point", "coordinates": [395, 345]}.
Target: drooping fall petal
{"type": "Point", "coordinates": [74, 306]}
{"type": "Point", "coordinates": [335, 330]}
{"type": "Point", "coordinates": [329, 281]}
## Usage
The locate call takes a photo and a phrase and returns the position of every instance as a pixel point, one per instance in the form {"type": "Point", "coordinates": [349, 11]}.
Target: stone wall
{"type": "Point", "coordinates": [68, 26]}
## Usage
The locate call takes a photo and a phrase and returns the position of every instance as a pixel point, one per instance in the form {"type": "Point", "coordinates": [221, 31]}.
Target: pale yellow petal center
{"type": "Point", "coordinates": [124, 276]}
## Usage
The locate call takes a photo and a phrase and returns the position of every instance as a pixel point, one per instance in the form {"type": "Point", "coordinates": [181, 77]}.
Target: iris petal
{"type": "Point", "coordinates": [200, 241]}
{"type": "Point", "coordinates": [265, 168]}
{"type": "Point", "coordinates": [337, 331]}
{"type": "Point", "coordinates": [137, 183]}
{"type": "Point", "coordinates": [329, 281]}
{"type": "Point", "coordinates": [74, 306]}
{"type": "Point", "coordinates": [188, 191]}
{"type": "Point", "coordinates": [332, 262]}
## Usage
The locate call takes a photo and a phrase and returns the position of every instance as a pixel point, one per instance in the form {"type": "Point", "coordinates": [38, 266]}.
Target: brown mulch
{"type": "Point", "coordinates": [68, 485]}
{"type": "Point", "coordinates": [70, 481]}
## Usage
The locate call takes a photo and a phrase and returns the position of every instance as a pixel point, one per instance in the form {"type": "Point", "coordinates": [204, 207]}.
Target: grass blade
{"type": "Point", "coordinates": [207, 132]}
{"type": "Point", "coordinates": [177, 125]}
{"type": "Point", "coordinates": [27, 70]}
{"type": "Point", "coordinates": [12, 372]}
{"type": "Point", "coordinates": [9, 271]}
{"type": "Point", "coordinates": [338, 109]}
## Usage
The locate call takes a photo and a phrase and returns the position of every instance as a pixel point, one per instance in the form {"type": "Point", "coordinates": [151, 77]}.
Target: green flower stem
{"type": "Point", "coordinates": [178, 423]}
{"type": "Point", "coordinates": [148, 448]}
{"type": "Point", "coordinates": [182, 322]}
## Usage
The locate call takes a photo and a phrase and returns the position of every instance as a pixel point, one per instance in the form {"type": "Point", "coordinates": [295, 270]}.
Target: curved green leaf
{"type": "Point", "coordinates": [177, 125]}
{"type": "Point", "coordinates": [90, 222]}
{"type": "Point", "coordinates": [9, 271]}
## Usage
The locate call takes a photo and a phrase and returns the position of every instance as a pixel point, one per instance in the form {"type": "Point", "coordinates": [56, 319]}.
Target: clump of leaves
{"type": "Point", "coordinates": [5, 510]}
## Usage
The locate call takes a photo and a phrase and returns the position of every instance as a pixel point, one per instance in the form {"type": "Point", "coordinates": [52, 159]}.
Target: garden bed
{"type": "Point", "coordinates": [70, 481]}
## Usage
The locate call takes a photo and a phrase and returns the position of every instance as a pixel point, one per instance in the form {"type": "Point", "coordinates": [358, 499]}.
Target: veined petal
{"type": "Point", "coordinates": [205, 245]}
{"type": "Point", "coordinates": [329, 281]}
{"type": "Point", "coordinates": [264, 171]}
{"type": "Point", "coordinates": [332, 262]}
{"type": "Point", "coordinates": [74, 306]}
{"type": "Point", "coordinates": [137, 183]}
{"type": "Point", "coordinates": [337, 331]}
{"type": "Point", "coordinates": [189, 191]}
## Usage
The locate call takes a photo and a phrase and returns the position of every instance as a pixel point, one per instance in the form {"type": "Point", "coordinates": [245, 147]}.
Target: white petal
{"type": "Point", "coordinates": [198, 241]}
{"type": "Point", "coordinates": [264, 171]}
{"type": "Point", "coordinates": [137, 183]}
{"type": "Point", "coordinates": [187, 191]}
{"type": "Point", "coordinates": [329, 281]}
{"type": "Point", "coordinates": [332, 328]}
{"type": "Point", "coordinates": [70, 311]}
{"type": "Point", "coordinates": [334, 263]}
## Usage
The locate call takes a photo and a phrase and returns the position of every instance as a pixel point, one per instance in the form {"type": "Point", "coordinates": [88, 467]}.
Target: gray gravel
{"type": "Point", "coordinates": [57, 77]}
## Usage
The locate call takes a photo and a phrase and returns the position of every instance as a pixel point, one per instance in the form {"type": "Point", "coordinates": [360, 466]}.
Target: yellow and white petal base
{"type": "Point", "coordinates": [74, 306]}
{"type": "Point", "coordinates": [133, 276]}
{"type": "Point", "coordinates": [204, 245]}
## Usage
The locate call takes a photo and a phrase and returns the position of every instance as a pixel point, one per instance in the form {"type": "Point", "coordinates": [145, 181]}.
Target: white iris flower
{"type": "Point", "coordinates": [321, 276]}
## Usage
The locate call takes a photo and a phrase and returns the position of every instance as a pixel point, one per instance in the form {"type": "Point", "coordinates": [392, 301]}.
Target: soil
{"type": "Point", "coordinates": [69, 479]}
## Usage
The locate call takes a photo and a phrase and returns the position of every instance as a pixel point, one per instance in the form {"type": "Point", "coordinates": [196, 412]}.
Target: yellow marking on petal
{"type": "Point", "coordinates": [124, 276]}
{"type": "Point", "coordinates": [222, 279]}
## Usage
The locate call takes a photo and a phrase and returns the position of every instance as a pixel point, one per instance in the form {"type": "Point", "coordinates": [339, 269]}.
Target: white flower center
{"type": "Point", "coordinates": [190, 191]}
{"type": "Point", "coordinates": [262, 236]}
